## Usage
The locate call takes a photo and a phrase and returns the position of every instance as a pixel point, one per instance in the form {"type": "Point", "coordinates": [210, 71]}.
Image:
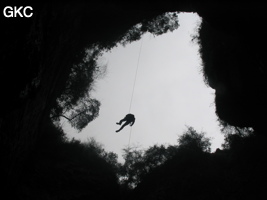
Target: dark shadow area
{"type": "Point", "coordinates": [48, 68]}
{"type": "Point", "coordinates": [234, 64]}
{"type": "Point", "coordinates": [63, 169]}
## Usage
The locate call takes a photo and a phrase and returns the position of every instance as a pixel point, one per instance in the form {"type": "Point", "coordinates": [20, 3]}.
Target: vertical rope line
{"type": "Point", "coordinates": [134, 88]}
{"type": "Point", "coordinates": [130, 137]}
{"type": "Point", "coordinates": [136, 75]}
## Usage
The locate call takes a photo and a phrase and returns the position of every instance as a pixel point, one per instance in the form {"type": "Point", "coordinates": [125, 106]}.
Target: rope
{"type": "Point", "coordinates": [136, 74]}
{"type": "Point", "coordinates": [130, 137]}
{"type": "Point", "coordinates": [134, 87]}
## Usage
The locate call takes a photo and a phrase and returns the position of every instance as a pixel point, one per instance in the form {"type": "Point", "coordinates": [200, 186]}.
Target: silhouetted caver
{"type": "Point", "coordinates": [129, 118]}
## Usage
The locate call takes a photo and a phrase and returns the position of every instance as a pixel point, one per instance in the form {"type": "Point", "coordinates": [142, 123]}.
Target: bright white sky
{"type": "Point", "coordinates": [169, 93]}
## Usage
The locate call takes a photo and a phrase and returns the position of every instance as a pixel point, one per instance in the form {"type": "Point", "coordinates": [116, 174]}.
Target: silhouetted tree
{"type": "Point", "coordinates": [75, 99]}
{"type": "Point", "coordinates": [139, 163]}
{"type": "Point", "coordinates": [81, 79]}
{"type": "Point", "coordinates": [156, 26]}
{"type": "Point", "coordinates": [193, 140]}
{"type": "Point", "coordinates": [157, 155]}
{"type": "Point", "coordinates": [132, 168]}
{"type": "Point", "coordinates": [233, 135]}
{"type": "Point", "coordinates": [110, 157]}
{"type": "Point", "coordinates": [179, 171]}
{"type": "Point", "coordinates": [84, 113]}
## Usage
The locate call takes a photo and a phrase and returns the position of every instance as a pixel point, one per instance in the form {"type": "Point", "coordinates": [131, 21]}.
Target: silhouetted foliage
{"type": "Point", "coordinates": [81, 79]}
{"type": "Point", "coordinates": [156, 155]}
{"type": "Point", "coordinates": [157, 26]}
{"type": "Point", "coordinates": [84, 113]}
{"type": "Point", "coordinates": [193, 140]}
{"type": "Point", "coordinates": [139, 163]}
{"type": "Point", "coordinates": [75, 98]}
{"type": "Point", "coordinates": [142, 163]}
{"type": "Point", "coordinates": [130, 171]}
{"type": "Point", "coordinates": [234, 136]}
{"type": "Point", "coordinates": [173, 170]}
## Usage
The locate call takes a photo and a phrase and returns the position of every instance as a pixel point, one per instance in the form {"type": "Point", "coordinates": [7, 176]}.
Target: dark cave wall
{"type": "Point", "coordinates": [233, 53]}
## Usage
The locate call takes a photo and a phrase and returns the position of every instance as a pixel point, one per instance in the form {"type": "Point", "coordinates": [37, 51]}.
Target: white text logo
{"type": "Point", "coordinates": [18, 12]}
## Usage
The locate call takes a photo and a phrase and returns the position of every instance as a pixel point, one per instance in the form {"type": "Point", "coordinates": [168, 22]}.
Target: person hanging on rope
{"type": "Point", "coordinates": [129, 118]}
